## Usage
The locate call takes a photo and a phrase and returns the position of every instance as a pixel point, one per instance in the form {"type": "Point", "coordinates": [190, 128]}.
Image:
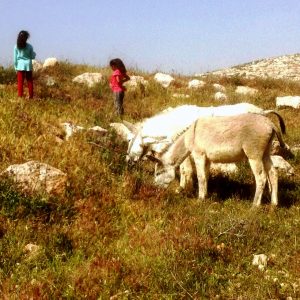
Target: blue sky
{"type": "Point", "coordinates": [182, 36]}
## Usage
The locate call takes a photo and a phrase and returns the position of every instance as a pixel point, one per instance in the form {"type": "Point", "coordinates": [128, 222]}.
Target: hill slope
{"type": "Point", "coordinates": [281, 67]}
{"type": "Point", "coordinates": [113, 234]}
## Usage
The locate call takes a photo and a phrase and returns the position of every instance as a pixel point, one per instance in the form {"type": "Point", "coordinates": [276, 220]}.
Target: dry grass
{"type": "Point", "coordinates": [113, 235]}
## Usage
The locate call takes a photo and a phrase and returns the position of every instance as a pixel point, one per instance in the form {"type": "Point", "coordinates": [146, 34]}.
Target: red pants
{"type": "Point", "coordinates": [21, 76]}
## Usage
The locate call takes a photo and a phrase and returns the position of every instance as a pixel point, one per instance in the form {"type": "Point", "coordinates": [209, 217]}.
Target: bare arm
{"type": "Point", "coordinates": [126, 78]}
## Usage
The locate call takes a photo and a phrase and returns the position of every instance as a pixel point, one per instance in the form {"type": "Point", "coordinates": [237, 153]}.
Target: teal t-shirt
{"type": "Point", "coordinates": [23, 58]}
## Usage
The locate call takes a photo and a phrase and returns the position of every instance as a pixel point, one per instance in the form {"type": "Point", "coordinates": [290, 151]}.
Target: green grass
{"type": "Point", "coordinates": [113, 233]}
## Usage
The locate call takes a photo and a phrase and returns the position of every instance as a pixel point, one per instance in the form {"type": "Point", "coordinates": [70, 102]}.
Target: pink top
{"type": "Point", "coordinates": [116, 81]}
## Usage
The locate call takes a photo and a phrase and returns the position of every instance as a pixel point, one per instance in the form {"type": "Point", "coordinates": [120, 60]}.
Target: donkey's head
{"type": "Point", "coordinates": [164, 174]}
{"type": "Point", "coordinates": [139, 146]}
{"type": "Point", "coordinates": [136, 149]}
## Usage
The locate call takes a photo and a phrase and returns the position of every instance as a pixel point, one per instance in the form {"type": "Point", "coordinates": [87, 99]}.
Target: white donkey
{"type": "Point", "coordinates": [158, 132]}
{"type": "Point", "coordinates": [224, 140]}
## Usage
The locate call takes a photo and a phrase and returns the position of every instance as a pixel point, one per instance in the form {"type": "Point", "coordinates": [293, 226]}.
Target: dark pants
{"type": "Point", "coordinates": [21, 75]}
{"type": "Point", "coordinates": [119, 97]}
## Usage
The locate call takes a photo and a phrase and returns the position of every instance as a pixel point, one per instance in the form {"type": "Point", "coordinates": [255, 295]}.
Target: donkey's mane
{"type": "Point", "coordinates": [171, 122]}
{"type": "Point", "coordinates": [174, 139]}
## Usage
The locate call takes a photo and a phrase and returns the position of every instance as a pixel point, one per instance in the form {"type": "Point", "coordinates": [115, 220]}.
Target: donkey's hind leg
{"type": "Point", "coordinates": [258, 169]}
{"type": "Point", "coordinates": [272, 179]}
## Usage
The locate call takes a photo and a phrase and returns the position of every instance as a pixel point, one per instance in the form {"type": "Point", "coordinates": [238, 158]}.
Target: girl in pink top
{"type": "Point", "coordinates": [119, 76]}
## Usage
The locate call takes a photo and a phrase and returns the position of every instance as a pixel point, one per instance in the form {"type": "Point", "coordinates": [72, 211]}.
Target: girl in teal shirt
{"type": "Point", "coordinates": [23, 55]}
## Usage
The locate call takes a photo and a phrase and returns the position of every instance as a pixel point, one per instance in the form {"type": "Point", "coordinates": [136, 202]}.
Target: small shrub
{"type": "Point", "coordinates": [7, 75]}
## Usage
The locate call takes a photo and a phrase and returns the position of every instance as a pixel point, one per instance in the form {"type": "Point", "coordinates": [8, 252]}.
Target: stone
{"type": "Point", "coordinates": [34, 176]}
{"type": "Point", "coordinates": [90, 79]}
{"type": "Point", "coordinates": [220, 96]}
{"type": "Point", "coordinates": [164, 79]}
{"type": "Point", "coordinates": [226, 169]}
{"type": "Point", "coordinates": [37, 66]}
{"type": "Point", "coordinates": [50, 81]}
{"type": "Point", "coordinates": [245, 90]}
{"type": "Point", "coordinates": [70, 129]}
{"type": "Point", "coordinates": [50, 62]}
{"type": "Point", "coordinates": [292, 101]}
{"type": "Point", "coordinates": [196, 84]}
{"type": "Point", "coordinates": [282, 165]}
{"type": "Point", "coordinates": [31, 248]}
{"type": "Point", "coordinates": [219, 88]}
{"type": "Point", "coordinates": [260, 260]}
{"type": "Point", "coordinates": [98, 130]}
{"type": "Point", "coordinates": [135, 81]}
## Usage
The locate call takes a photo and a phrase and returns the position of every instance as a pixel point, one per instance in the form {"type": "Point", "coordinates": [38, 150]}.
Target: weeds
{"type": "Point", "coordinates": [113, 234]}
{"type": "Point", "coordinates": [7, 76]}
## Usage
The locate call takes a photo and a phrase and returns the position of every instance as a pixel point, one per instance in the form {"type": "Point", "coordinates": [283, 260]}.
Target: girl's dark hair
{"type": "Point", "coordinates": [117, 62]}
{"type": "Point", "coordinates": [22, 39]}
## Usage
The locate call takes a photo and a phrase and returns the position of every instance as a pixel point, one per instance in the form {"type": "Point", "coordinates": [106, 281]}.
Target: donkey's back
{"type": "Point", "coordinates": [229, 139]}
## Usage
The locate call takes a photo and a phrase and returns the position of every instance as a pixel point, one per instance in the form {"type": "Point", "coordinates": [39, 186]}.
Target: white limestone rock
{"type": "Point", "coordinates": [260, 260]}
{"type": "Point", "coordinates": [220, 96]}
{"type": "Point", "coordinates": [282, 165]}
{"type": "Point", "coordinates": [36, 176]}
{"type": "Point", "coordinates": [89, 79]}
{"type": "Point", "coordinates": [245, 90]}
{"type": "Point", "coordinates": [98, 129]}
{"type": "Point", "coordinates": [70, 129]}
{"type": "Point", "coordinates": [135, 81]}
{"type": "Point", "coordinates": [164, 79]}
{"type": "Point", "coordinates": [226, 169]}
{"type": "Point", "coordinates": [292, 101]}
{"type": "Point", "coordinates": [50, 62]}
{"type": "Point", "coordinates": [196, 84]}
{"type": "Point", "coordinates": [219, 88]}
{"type": "Point", "coordinates": [37, 66]}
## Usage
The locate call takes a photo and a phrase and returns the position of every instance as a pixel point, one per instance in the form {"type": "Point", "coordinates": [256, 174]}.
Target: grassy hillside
{"type": "Point", "coordinates": [113, 234]}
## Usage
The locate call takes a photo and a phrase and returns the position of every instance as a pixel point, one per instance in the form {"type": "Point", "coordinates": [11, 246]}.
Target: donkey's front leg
{"type": "Point", "coordinates": [186, 174]}
{"type": "Point", "coordinates": [202, 174]}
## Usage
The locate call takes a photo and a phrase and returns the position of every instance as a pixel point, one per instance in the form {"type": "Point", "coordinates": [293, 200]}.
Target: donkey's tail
{"type": "Point", "coordinates": [281, 121]}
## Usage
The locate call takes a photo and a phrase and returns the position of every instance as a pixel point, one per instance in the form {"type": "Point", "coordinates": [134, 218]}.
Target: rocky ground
{"type": "Point", "coordinates": [281, 67]}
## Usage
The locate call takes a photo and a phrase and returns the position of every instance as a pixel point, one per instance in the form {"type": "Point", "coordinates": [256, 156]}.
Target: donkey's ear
{"type": "Point", "coordinates": [123, 131]}
{"type": "Point", "coordinates": [133, 128]}
{"type": "Point", "coordinates": [150, 140]}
